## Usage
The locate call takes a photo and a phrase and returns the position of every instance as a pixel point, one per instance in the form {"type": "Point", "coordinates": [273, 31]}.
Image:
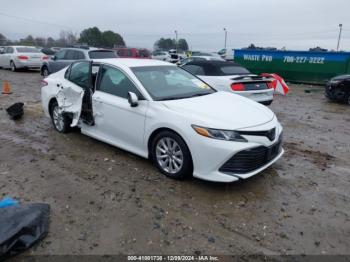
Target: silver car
{"type": "Point", "coordinates": [66, 56]}
{"type": "Point", "coordinates": [18, 57]}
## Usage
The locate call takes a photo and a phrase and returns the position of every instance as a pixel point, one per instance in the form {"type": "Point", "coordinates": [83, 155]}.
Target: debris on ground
{"type": "Point", "coordinates": [15, 111]}
{"type": "Point", "coordinates": [21, 226]}
{"type": "Point", "coordinates": [7, 202]}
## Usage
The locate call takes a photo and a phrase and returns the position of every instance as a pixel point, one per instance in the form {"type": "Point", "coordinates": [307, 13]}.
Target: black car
{"type": "Point", "coordinates": [338, 89]}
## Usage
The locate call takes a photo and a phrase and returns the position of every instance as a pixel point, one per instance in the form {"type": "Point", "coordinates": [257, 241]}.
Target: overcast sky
{"type": "Point", "coordinates": [294, 24]}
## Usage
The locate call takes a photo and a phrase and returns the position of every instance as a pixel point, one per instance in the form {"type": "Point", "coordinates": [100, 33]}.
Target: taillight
{"type": "Point", "coordinates": [45, 57]}
{"type": "Point", "coordinates": [237, 87]}
{"type": "Point", "coordinates": [270, 84]}
{"type": "Point", "coordinates": [44, 82]}
{"type": "Point", "coordinates": [22, 57]}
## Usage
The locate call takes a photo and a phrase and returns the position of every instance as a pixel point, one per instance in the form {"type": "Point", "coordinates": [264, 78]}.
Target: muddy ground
{"type": "Point", "coordinates": [107, 201]}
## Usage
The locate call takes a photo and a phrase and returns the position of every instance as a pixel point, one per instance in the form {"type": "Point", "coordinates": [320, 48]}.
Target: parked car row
{"type": "Point", "coordinates": [18, 57]}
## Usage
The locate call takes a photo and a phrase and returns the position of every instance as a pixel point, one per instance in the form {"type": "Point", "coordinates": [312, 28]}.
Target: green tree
{"type": "Point", "coordinates": [29, 40]}
{"type": "Point", "coordinates": [165, 44]}
{"type": "Point", "coordinates": [39, 41]}
{"type": "Point", "coordinates": [3, 39]}
{"type": "Point", "coordinates": [91, 36]}
{"type": "Point", "coordinates": [50, 42]}
{"type": "Point", "coordinates": [111, 39]}
{"type": "Point", "coordinates": [182, 45]}
{"type": "Point", "coordinates": [168, 43]}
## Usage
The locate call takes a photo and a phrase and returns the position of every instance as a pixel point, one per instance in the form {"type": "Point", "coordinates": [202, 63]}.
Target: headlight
{"type": "Point", "coordinates": [227, 135]}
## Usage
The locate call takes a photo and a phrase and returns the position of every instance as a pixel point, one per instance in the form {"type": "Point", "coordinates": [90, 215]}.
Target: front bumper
{"type": "Point", "coordinates": [210, 155]}
{"type": "Point", "coordinates": [257, 95]}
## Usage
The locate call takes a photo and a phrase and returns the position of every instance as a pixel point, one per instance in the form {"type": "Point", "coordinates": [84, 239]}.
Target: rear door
{"type": "Point", "coordinates": [59, 61]}
{"type": "Point", "coordinates": [76, 88]}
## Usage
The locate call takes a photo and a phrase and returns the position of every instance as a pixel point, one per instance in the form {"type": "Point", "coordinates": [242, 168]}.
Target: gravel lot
{"type": "Point", "coordinates": [107, 201]}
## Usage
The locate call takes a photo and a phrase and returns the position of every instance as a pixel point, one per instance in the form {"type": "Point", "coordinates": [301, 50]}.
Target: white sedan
{"type": "Point", "coordinates": [160, 111]}
{"type": "Point", "coordinates": [231, 77]}
{"type": "Point", "coordinates": [18, 57]}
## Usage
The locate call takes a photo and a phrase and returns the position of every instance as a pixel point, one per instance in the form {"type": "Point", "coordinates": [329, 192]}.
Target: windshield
{"type": "Point", "coordinates": [170, 82]}
{"type": "Point", "coordinates": [102, 54]}
{"type": "Point", "coordinates": [233, 70]}
{"type": "Point", "coordinates": [27, 50]}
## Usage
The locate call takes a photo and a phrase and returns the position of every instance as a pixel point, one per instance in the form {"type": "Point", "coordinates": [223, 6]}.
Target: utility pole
{"type": "Point", "coordinates": [225, 37]}
{"type": "Point", "coordinates": [340, 30]}
{"type": "Point", "coordinates": [176, 40]}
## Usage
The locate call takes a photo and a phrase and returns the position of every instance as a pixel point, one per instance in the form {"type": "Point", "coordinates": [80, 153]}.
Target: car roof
{"type": "Point", "coordinates": [132, 62]}
{"type": "Point", "coordinates": [212, 63]}
{"type": "Point", "coordinates": [20, 46]}
{"type": "Point", "coordinates": [218, 58]}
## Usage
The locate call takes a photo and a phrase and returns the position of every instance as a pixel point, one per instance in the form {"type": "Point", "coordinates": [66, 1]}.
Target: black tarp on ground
{"type": "Point", "coordinates": [21, 227]}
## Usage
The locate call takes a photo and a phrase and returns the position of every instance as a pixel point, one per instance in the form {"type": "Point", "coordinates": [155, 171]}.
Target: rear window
{"type": "Point", "coordinates": [102, 54]}
{"type": "Point", "coordinates": [233, 70]}
{"type": "Point", "coordinates": [341, 77]}
{"type": "Point", "coordinates": [27, 50]}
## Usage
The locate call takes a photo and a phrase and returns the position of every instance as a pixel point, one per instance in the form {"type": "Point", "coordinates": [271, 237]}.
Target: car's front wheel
{"type": "Point", "coordinates": [60, 121]}
{"type": "Point", "coordinates": [171, 155]}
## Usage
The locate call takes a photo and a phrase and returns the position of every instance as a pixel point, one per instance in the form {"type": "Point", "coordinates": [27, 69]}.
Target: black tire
{"type": "Point", "coordinates": [62, 127]}
{"type": "Point", "coordinates": [13, 66]}
{"type": "Point", "coordinates": [267, 103]}
{"type": "Point", "coordinates": [186, 169]}
{"type": "Point", "coordinates": [45, 71]}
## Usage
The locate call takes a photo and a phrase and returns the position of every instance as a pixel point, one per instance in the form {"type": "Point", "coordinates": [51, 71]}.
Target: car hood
{"type": "Point", "coordinates": [222, 110]}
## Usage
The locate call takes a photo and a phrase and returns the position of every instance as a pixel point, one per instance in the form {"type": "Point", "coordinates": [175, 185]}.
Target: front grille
{"type": "Point", "coordinates": [270, 134]}
{"type": "Point", "coordinates": [249, 160]}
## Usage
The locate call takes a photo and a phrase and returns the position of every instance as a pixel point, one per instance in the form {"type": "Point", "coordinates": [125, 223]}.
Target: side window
{"type": "Point", "coordinates": [10, 50]}
{"type": "Point", "coordinates": [70, 55]}
{"type": "Point", "coordinates": [115, 82]}
{"type": "Point", "coordinates": [60, 54]}
{"type": "Point", "coordinates": [79, 55]}
{"type": "Point", "coordinates": [194, 69]}
{"type": "Point", "coordinates": [79, 74]}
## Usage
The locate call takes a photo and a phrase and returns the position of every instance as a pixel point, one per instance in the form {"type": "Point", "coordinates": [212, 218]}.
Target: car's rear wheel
{"type": "Point", "coordinates": [60, 121]}
{"type": "Point", "coordinates": [13, 66]}
{"type": "Point", "coordinates": [45, 71]}
{"type": "Point", "coordinates": [171, 155]}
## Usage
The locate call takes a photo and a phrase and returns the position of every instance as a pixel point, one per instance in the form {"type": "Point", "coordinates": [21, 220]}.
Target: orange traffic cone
{"type": "Point", "coordinates": [6, 88]}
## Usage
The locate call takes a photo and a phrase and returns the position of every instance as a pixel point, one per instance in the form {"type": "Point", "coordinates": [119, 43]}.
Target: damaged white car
{"type": "Point", "coordinates": [159, 111]}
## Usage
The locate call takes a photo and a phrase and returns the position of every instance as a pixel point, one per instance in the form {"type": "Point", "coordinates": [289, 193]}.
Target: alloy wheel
{"type": "Point", "coordinates": [57, 119]}
{"type": "Point", "coordinates": [169, 155]}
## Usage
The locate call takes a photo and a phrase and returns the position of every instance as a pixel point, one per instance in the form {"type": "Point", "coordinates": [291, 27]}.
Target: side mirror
{"type": "Point", "coordinates": [133, 99]}
{"type": "Point", "coordinates": [53, 58]}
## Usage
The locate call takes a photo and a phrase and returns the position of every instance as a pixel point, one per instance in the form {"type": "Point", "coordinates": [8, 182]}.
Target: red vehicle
{"type": "Point", "coordinates": [133, 53]}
